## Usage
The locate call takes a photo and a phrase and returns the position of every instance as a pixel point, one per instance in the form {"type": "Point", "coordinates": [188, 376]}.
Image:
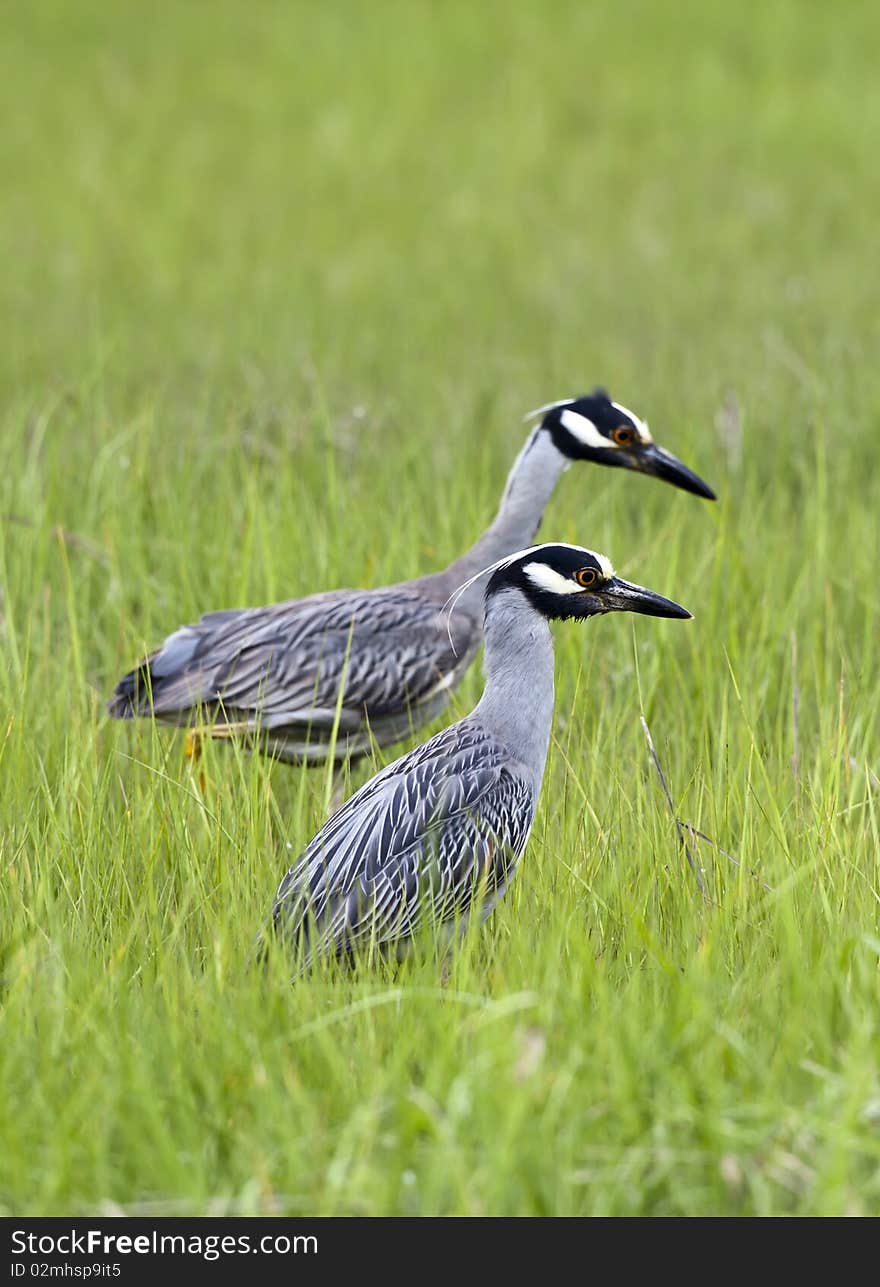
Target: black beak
{"type": "Point", "coordinates": [622, 596]}
{"type": "Point", "coordinates": [653, 460]}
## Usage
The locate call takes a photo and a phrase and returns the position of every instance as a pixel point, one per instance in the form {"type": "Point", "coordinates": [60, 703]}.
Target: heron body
{"type": "Point", "coordinates": [441, 829]}
{"type": "Point", "coordinates": [333, 672]}
{"type": "Point", "coordinates": [276, 672]}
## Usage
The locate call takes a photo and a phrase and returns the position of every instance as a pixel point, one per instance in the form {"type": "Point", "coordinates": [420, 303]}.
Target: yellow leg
{"type": "Point", "coordinates": [193, 753]}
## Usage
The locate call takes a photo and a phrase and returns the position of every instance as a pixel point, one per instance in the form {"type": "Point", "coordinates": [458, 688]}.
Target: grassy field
{"type": "Point", "coordinates": [279, 282]}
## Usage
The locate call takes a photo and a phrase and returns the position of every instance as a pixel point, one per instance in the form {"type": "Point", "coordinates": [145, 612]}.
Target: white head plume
{"type": "Point", "coordinates": [548, 406]}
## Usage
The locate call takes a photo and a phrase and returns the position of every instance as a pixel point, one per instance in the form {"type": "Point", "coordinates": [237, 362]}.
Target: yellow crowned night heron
{"type": "Point", "coordinates": [274, 674]}
{"type": "Point", "coordinates": [440, 831]}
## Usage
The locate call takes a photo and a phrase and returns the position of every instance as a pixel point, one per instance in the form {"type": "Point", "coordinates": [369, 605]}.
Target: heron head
{"type": "Point", "coordinates": [566, 581]}
{"type": "Point", "coordinates": [592, 427]}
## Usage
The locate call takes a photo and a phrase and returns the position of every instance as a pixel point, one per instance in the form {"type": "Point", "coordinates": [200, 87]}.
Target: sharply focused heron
{"type": "Point", "coordinates": [340, 669]}
{"type": "Point", "coordinates": [440, 831]}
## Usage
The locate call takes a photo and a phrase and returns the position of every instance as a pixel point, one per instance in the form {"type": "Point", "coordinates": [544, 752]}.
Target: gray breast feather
{"type": "Point", "coordinates": [442, 825]}
{"type": "Point", "coordinates": [285, 664]}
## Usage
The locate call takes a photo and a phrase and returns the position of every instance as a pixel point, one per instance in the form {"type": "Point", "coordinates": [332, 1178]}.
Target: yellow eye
{"type": "Point", "coordinates": [586, 577]}
{"type": "Point", "coordinates": [624, 435]}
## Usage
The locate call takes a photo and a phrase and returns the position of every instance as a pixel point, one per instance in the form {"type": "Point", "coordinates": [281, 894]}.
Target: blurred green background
{"type": "Point", "coordinates": [280, 281]}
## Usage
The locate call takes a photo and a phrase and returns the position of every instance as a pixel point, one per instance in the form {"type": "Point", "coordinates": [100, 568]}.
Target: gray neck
{"type": "Point", "coordinates": [530, 485]}
{"type": "Point", "coordinates": [517, 702]}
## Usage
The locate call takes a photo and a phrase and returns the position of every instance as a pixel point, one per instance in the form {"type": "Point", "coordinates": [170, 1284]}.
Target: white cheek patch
{"type": "Point", "coordinates": [641, 425]}
{"type": "Point", "coordinates": [583, 429]}
{"type": "Point", "coordinates": [547, 578]}
{"type": "Point", "coordinates": [543, 577]}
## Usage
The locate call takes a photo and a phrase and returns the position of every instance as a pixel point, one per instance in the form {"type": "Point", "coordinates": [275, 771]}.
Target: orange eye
{"type": "Point", "coordinates": [624, 435]}
{"type": "Point", "coordinates": [586, 577]}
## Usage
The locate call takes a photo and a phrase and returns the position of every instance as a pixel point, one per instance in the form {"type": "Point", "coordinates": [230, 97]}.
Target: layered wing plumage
{"type": "Point", "coordinates": [442, 826]}
{"type": "Point", "coordinates": [282, 667]}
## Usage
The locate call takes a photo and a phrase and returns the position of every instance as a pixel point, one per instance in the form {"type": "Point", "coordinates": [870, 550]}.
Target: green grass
{"type": "Point", "coordinates": [279, 282]}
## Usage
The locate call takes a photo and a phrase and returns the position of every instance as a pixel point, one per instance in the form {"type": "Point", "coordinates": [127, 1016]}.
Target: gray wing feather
{"type": "Point", "coordinates": [285, 664]}
{"type": "Point", "coordinates": [420, 840]}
